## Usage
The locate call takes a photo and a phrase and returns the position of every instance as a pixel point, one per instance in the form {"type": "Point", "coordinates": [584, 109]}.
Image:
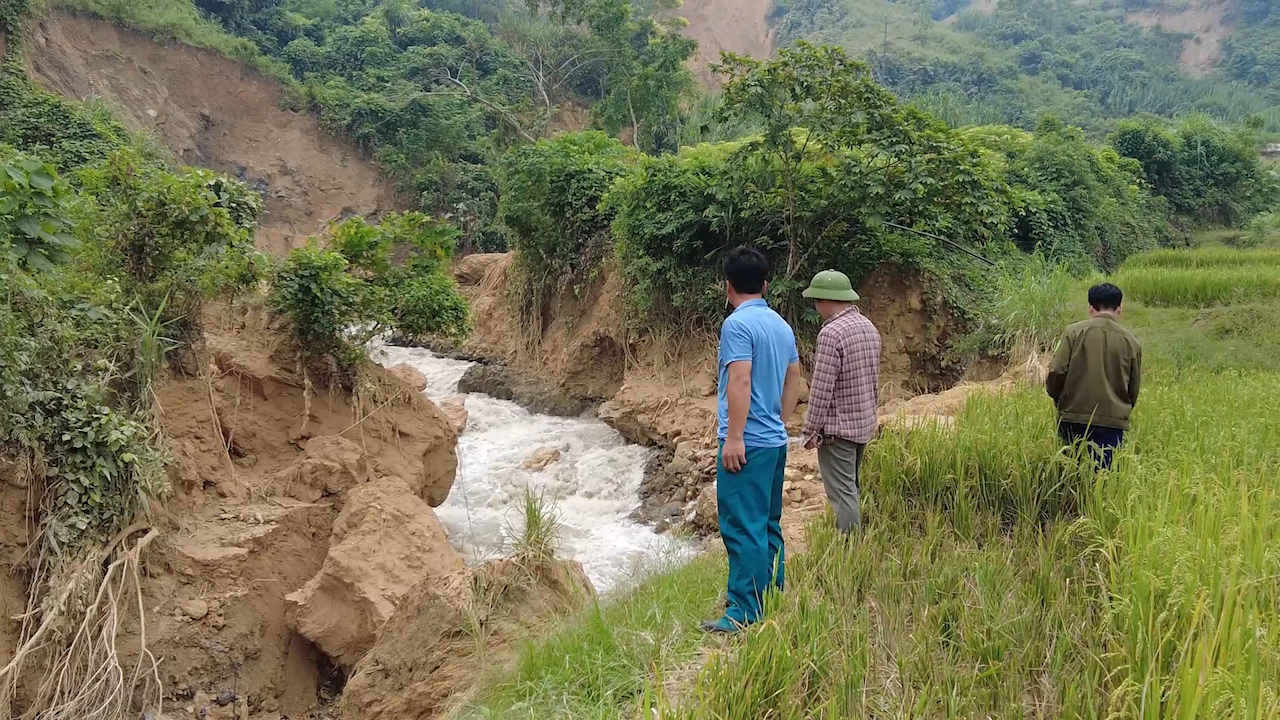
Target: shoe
{"type": "Point", "coordinates": [723, 626]}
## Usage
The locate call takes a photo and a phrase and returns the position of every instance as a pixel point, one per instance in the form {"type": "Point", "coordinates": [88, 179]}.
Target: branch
{"type": "Point", "coordinates": [466, 91]}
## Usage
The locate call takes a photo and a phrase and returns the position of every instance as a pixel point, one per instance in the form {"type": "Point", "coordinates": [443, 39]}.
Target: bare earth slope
{"type": "Point", "coordinates": [1207, 21]}
{"type": "Point", "coordinates": [736, 26]}
{"type": "Point", "coordinates": [213, 112]}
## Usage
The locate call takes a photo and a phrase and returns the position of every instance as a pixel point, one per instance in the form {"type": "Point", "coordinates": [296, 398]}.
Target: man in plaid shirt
{"type": "Point", "coordinates": [843, 392]}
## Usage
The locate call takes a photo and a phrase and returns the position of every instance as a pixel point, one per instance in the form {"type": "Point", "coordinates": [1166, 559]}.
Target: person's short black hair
{"type": "Point", "coordinates": [1105, 297]}
{"type": "Point", "coordinates": [747, 269]}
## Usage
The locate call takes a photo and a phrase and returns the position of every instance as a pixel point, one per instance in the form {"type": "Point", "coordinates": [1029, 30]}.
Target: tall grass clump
{"type": "Point", "coordinates": [596, 665]}
{"type": "Point", "coordinates": [1000, 461]}
{"type": "Point", "coordinates": [1034, 299]}
{"type": "Point", "coordinates": [1200, 287]}
{"type": "Point", "coordinates": [1192, 577]}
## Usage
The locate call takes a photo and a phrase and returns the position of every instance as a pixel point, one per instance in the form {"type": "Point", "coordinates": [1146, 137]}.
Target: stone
{"type": "Point", "coordinates": [680, 465]}
{"type": "Point", "coordinates": [454, 408]}
{"type": "Point", "coordinates": [410, 375]}
{"type": "Point", "coordinates": [503, 383]}
{"type": "Point", "coordinates": [330, 466]}
{"type": "Point", "coordinates": [195, 609]}
{"type": "Point", "coordinates": [385, 541]}
{"type": "Point", "coordinates": [541, 458]}
{"type": "Point", "coordinates": [704, 518]}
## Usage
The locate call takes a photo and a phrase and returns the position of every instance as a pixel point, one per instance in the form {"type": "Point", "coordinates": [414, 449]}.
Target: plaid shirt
{"type": "Point", "coordinates": [846, 379]}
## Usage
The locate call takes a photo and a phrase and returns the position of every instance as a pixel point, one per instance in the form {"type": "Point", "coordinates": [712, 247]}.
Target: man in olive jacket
{"type": "Point", "coordinates": [1095, 376]}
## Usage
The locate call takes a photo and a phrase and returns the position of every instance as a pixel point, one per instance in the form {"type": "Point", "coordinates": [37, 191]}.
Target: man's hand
{"type": "Point", "coordinates": [733, 455]}
{"type": "Point", "coordinates": [812, 441]}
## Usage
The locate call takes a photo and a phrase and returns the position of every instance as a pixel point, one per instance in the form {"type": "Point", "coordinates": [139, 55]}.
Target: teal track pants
{"type": "Point", "coordinates": [750, 508]}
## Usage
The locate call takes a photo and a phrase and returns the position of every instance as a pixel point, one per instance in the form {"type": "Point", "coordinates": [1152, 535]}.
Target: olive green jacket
{"type": "Point", "coordinates": [1095, 373]}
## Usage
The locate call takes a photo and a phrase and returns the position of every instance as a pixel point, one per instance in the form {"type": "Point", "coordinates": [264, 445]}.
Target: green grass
{"type": "Point", "coordinates": [993, 578]}
{"type": "Point", "coordinates": [1200, 287]}
{"type": "Point", "coordinates": [597, 665]}
{"type": "Point", "coordinates": [1208, 257]}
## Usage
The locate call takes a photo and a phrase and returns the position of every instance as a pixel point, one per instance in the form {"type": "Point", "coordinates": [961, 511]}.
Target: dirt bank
{"type": "Point", "coordinates": [720, 26]}
{"type": "Point", "coordinates": [212, 112]}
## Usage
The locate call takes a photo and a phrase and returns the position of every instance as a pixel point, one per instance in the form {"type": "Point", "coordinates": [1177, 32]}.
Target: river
{"type": "Point", "coordinates": [593, 487]}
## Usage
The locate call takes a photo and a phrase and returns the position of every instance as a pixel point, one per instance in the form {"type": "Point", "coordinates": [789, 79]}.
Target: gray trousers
{"type": "Point", "coordinates": [839, 460]}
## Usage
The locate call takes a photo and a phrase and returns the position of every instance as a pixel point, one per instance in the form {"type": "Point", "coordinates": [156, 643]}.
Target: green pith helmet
{"type": "Point", "coordinates": [831, 285]}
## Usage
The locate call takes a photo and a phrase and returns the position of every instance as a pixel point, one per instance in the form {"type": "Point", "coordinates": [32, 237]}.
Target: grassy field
{"type": "Point", "coordinates": [994, 577]}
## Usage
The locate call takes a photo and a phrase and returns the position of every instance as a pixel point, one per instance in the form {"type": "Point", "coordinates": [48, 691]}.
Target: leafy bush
{"type": "Point", "coordinates": [1076, 203]}
{"type": "Point", "coordinates": [1261, 230]}
{"type": "Point", "coordinates": [172, 235]}
{"type": "Point", "coordinates": [430, 305]}
{"type": "Point", "coordinates": [813, 198]}
{"type": "Point", "coordinates": [372, 279]}
{"type": "Point", "coordinates": [70, 406]}
{"type": "Point", "coordinates": [33, 212]}
{"type": "Point", "coordinates": [552, 193]}
{"type": "Point", "coordinates": [322, 301]}
{"type": "Point", "coordinates": [1208, 173]}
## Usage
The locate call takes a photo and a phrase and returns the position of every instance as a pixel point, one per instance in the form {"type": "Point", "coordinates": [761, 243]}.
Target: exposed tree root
{"type": "Point", "coordinates": [71, 662]}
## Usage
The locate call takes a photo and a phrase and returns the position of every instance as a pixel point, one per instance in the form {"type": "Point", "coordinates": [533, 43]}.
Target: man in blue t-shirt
{"type": "Point", "coordinates": [759, 387]}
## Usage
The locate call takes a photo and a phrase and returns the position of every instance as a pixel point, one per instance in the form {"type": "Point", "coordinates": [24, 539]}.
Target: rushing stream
{"type": "Point", "coordinates": [593, 486]}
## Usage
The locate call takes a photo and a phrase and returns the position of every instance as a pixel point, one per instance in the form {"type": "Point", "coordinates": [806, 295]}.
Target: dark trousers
{"type": "Point", "coordinates": [750, 508]}
{"type": "Point", "coordinates": [839, 461]}
{"type": "Point", "coordinates": [1101, 441]}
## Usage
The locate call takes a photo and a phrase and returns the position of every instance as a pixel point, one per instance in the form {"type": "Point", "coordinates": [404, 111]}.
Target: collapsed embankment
{"type": "Point", "coordinates": [300, 528]}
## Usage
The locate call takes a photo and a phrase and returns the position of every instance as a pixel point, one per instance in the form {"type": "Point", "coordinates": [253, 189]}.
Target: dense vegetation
{"type": "Point", "coordinates": [1252, 53]}
{"type": "Point", "coordinates": [1083, 62]}
{"type": "Point", "coordinates": [839, 173]}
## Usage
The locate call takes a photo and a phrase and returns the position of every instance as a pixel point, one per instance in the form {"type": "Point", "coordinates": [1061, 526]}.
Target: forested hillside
{"type": "Point", "coordinates": [1088, 63]}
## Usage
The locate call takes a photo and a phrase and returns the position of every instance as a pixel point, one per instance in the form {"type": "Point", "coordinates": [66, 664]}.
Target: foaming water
{"type": "Point", "coordinates": [594, 485]}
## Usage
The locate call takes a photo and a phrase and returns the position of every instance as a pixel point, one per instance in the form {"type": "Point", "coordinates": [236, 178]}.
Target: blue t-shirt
{"type": "Point", "coordinates": [755, 332]}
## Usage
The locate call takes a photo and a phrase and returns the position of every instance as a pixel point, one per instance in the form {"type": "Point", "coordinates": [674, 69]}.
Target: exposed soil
{"type": "Point", "coordinates": [213, 112]}
{"type": "Point", "coordinates": [260, 472]}
{"type": "Point", "coordinates": [735, 26]}
{"type": "Point", "coordinates": [1207, 21]}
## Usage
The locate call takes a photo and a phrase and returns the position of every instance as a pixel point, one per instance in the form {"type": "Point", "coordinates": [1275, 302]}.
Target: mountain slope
{"type": "Point", "coordinates": [212, 112]}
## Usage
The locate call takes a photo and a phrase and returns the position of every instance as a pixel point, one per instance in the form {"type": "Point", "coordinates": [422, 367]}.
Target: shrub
{"type": "Point", "coordinates": [1076, 203]}
{"type": "Point", "coordinates": [1207, 172]}
{"type": "Point", "coordinates": [314, 291]}
{"type": "Point", "coordinates": [177, 237]}
{"type": "Point", "coordinates": [373, 279]}
{"type": "Point", "coordinates": [34, 212]}
{"type": "Point", "coordinates": [551, 200]}
{"type": "Point", "coordinates": [430, 306]}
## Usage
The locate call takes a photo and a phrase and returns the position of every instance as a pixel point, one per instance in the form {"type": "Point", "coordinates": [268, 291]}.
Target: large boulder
{"type": "Point", "coordinates": [411, 376]}
{"type": "Point", "coordinates": [385, 541]}
{"type": "Point", "coordinates": [330, 466]}
{"type": "Point", "coordinates": [646, 417]}
{"type": "Point", "coordinates": [454, 408]}
{"type": "Point", "coordinates": [444, 636]}
{"type": "Point", "coordinates": [504, 383]}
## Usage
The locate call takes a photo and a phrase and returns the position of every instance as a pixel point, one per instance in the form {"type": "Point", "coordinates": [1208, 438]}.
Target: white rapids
{"type": "Point", "coordinates": [593, 487]}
